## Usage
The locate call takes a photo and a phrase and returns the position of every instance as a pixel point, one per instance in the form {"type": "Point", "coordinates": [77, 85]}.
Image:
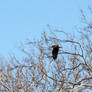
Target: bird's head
{"type": "Point", "coordinates": [56, 46]}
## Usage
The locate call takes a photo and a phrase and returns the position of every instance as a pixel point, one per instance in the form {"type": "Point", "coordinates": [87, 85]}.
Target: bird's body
{"type": "Point", "coordinates": [55, 51]}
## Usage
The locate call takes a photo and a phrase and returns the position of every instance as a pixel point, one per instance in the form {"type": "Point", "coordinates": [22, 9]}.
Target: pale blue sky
{"type": "Point", "coordinates": [21, 19]}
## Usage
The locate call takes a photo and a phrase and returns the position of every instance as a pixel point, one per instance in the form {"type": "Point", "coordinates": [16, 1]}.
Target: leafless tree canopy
{"type": "Point", "coordinates": [38, 72]}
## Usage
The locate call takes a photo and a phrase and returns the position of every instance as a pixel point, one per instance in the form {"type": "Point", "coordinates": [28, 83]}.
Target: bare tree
{"type": "Point", "coordinates": [39, 72]}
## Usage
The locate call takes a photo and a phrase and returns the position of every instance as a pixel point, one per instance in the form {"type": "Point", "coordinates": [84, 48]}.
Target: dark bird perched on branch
{"type": "Point", "coordinates": [55, 51]}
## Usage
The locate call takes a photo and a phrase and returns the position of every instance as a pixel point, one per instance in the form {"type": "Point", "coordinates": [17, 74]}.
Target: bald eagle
{"type": "Point", "coordinates": [55, 51]}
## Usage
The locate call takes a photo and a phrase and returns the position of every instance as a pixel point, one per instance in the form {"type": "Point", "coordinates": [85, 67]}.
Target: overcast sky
{"type": "Point", "coordinates": [22, 19]}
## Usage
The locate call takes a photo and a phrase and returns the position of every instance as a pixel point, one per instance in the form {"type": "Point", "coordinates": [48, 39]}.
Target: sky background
{"type": "Point", "coordinates": [22, 19]}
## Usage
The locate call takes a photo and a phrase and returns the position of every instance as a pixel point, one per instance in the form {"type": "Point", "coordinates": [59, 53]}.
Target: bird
{"type": "Point", "coordinates": [55, 51]}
